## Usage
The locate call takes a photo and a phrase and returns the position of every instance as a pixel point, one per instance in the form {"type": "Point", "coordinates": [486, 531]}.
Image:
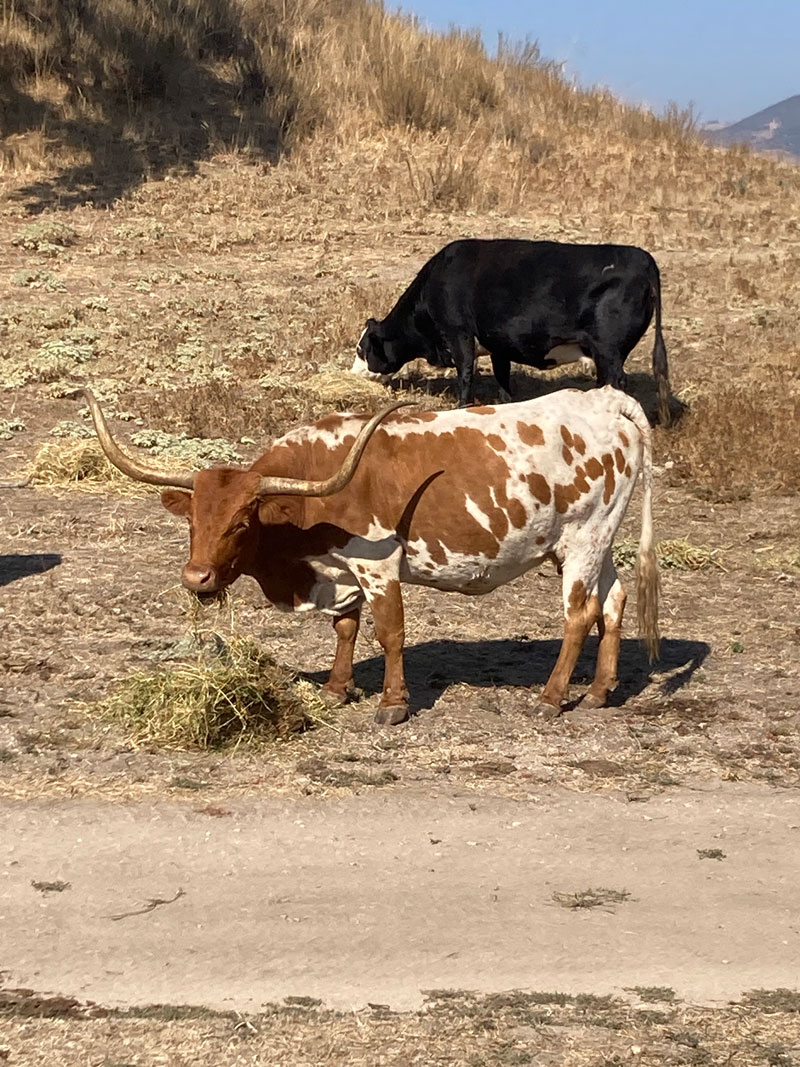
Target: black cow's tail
{"type": "Point", "coordinates": [660, 368]}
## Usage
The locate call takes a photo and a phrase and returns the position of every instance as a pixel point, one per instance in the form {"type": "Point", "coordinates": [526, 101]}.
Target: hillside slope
{"type": "Point", "coordinates": [775, 128]}
{"type": "Point", "coordinates": [278, 170]}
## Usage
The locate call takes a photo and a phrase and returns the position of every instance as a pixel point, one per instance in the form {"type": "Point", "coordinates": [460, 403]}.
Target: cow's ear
{"type": "Point", "coordinates": [176, 501]}
{"type": "Point", "coordinates": [269, 512]}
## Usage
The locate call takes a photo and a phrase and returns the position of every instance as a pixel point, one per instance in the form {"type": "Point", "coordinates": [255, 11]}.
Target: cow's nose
{"type": "Point", "coordinates": [200, 579]}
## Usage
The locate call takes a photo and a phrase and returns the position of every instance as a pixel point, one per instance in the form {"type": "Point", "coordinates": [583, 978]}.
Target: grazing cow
{"type": "Point", "coordinates": [343, 512]}
{"type": "Point", "coordinates": [540, 303]}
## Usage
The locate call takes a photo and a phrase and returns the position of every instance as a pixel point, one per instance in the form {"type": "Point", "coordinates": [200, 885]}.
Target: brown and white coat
{"type": "Point", "coordinates": [462, 501]}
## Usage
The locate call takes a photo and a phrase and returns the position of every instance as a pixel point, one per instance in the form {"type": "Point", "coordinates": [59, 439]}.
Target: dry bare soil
{"type": "Point", "coordinates": [226, 305]}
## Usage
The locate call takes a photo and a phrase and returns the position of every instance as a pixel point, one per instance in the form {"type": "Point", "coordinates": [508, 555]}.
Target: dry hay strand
{"type": "Point", "coordinates": [230, 693]}
{"type": "Point", "coordinates": [75, 463]}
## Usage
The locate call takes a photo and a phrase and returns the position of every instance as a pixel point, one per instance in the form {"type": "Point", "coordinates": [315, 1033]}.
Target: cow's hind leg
{"type": "Point", "coordinates": [337, 688]}
{"type": "Point", "coordinates": [581, 612]}
{"type": "Point", "coordinates": [609, 626]}
{"type": "Point", "coordinates": [501, 366]}
{"type": "Point", "coordinates": [386, 605]}
{"type": "Point", "coordinates": [608, 360]}
{"type": "Point", "coordinates": [380, 582]}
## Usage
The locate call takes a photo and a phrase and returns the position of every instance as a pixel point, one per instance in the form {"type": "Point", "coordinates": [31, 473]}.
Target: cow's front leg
{"type": "Point", "coordinates": [340, 681]}
{"type": "Point", "coordinates": [386, 604]}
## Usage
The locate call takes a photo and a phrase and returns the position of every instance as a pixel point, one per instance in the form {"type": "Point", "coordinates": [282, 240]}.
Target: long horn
{"type": "Point", "coordinates": [298, 487]}
{"type": "Point", "coordinates": [124, 463]}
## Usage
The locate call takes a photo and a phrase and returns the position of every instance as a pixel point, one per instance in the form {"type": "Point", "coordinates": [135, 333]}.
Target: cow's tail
{"type": "Point", "coordinates": [647, 580]}
{"type": "Point", "coordinates": [660, 368]}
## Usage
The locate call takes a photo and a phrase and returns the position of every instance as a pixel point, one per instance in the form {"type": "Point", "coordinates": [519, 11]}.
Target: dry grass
{"type": "Point", "coordinates": [80, 464]}
{"type": "Point", "coordinates": [596, 897]}
{"type": "Point", "coordinates": [672, 554]}
{"type": "Point", "coordinates": [77, 464]}
{"type": "Point", "coordinates": [325, 151]}
{"type": "Point", "coordinates": [229, 692]}
{"type": "Point", "coordinates": [741, 438]}
{"type": "Point", "coordinates": [508, 1029]}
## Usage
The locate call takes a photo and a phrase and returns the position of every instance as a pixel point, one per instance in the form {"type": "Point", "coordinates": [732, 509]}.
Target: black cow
{"type": "Point", "coordinates": [534, 302]}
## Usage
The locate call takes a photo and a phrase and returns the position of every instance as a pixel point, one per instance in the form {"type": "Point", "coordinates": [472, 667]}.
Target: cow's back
{"type": "Point", "coordinates": [482, 491]}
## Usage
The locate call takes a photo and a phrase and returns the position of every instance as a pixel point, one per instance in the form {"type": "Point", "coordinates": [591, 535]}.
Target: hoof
{"type": "Point", "coordinates": [332, 699]}
{"type": "Point", "coordinates": [544, 711]}
{"type": "Point", "coordinates": [590, 702]}
{"type": "Point", "coordinates": [392, 716]}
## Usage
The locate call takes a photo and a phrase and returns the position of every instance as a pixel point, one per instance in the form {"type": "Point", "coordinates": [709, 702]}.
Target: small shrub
{"type": "Point", "coordinates": [8, 427]}
{"type": "Point", "coordinates": [48, 237]}
{"type": "Point", "coordinates": [673, 554]}
{"type": "Point", "coordinates": [53, 360]}
{"type": "Point", "coordinates": [191, 451]}
{"type": "Point", "coordinates": [38, 279]}
{"type": "Point", "coordinates": [70, 428]}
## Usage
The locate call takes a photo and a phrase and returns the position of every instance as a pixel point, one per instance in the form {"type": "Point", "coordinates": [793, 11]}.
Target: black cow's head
{"type": "Point", "coordinates": [376, 355]}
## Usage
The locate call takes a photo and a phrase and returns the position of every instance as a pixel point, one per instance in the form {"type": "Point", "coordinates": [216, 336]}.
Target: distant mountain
{"type": "Point", "coordinates": [775, 129]}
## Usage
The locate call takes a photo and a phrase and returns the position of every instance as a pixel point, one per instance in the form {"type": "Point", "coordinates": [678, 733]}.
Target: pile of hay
{"type": "Point", "coordinates": [332, 389]}
{"type": "Point", "coordinates": [74, 463]}
{"type": "Point", "coordinates": [228, 693]}
{"type": "Point", "coordinates": [79, 463]}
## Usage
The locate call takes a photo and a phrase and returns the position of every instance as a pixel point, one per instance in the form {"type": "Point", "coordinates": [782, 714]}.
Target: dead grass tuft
{"type": "Point", "coordinates": [591, 898]}
{"type": "Point", "coordinates": [229, 693]}
{"type": "Point", "coordinates": [673, 554]}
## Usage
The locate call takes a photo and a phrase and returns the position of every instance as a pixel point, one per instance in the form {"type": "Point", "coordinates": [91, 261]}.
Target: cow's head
{"type": "Point", "coordinates": [226, 506]}
{"type": "Point", "coordinates": [377, 357]}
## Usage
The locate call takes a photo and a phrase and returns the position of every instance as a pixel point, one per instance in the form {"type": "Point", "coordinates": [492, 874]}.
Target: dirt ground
{"type": "Point", "coordinates": [89, 592]}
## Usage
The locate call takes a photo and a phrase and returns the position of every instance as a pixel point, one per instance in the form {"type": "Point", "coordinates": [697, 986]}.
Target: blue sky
{"type": "Point", "coordinates": [729, 58]}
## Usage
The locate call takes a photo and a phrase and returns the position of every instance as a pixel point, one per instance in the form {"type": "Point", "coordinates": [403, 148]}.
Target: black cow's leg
{"type": "Point", "coordinates": [501, 365]}
{"type": "Point", "coordinates": [462, 348]}
{"type": "Point", "coordinates": [609, 365]}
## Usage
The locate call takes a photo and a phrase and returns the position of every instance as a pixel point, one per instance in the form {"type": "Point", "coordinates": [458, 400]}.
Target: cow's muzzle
{"type": "Point", "coordinates": [361, 368]}
{"type": "Point", "coordinates": [203, 581]}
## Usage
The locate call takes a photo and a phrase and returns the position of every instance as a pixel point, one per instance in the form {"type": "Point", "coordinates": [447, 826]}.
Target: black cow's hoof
{"type": "Point", "coordinates": [392, 716]}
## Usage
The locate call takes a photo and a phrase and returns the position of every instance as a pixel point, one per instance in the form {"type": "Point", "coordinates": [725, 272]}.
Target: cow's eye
{"type": "Point", "coordinates": [240, 527]}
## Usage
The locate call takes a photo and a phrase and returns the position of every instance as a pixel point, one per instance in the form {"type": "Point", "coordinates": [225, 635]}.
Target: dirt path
{"type": "Point", "coordinates": [373, 898]}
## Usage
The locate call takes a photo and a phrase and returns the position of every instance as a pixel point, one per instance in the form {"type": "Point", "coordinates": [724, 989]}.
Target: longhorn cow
{"type": "Point", "coordinates": [347, 510]}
